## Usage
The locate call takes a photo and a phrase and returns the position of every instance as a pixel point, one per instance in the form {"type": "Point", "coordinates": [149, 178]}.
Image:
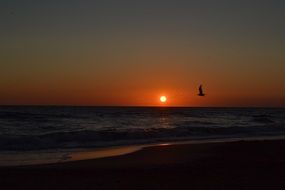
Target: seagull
{"type": "Point", "coordinates": [201, 93]}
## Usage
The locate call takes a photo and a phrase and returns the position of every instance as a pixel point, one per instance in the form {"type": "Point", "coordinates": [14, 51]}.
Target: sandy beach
{"type": "Point", "coordinates": [227, 165]}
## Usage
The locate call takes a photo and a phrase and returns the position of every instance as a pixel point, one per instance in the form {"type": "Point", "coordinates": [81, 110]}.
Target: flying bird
{"type": "Point", "coordinates": [201, 93]}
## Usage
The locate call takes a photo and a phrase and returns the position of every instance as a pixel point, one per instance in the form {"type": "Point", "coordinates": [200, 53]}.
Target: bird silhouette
{"type": "Point", "coordinates": [201, 93]}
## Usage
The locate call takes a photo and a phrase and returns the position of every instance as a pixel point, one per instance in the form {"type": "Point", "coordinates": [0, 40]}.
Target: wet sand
{"type": "Point", "coordinates": [227, 165]}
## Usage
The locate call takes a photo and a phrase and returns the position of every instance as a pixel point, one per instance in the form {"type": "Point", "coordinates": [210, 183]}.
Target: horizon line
{"type": "Point", "coordinates": [131, 106]}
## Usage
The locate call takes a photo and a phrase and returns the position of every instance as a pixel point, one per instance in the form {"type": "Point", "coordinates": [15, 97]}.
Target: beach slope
{"type": "Point", "coordinates": [226, 165]}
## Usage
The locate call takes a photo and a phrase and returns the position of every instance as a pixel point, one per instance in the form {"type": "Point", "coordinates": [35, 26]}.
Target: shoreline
{"type": "Point", "coordinates": [258, 164]}
{"type": "Point", "coordinates": [114, 151]}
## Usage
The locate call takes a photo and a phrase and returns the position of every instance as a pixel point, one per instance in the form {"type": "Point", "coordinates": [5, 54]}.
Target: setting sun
{"type": "Point", "coordinates": [163, 99]}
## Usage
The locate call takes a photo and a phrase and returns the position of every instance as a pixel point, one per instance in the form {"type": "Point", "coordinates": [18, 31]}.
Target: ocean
{"type": "Point", "coordinates": [38, 129]}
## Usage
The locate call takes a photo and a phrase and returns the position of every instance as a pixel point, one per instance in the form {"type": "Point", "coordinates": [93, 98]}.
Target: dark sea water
{"type": "Point", "coordinates": [24, 128]}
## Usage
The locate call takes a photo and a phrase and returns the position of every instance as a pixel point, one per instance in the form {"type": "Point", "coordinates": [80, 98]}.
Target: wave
{"type": "Point", "coordinates": [34, 128]}
{"type": "Point", "coordinates": [89, 138]}
{"type": "Point", "coordinates": [262, 119]}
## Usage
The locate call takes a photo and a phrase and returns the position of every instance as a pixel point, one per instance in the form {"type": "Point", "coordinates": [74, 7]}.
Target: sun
{"type": "Point", "coordinates": [163, 99]}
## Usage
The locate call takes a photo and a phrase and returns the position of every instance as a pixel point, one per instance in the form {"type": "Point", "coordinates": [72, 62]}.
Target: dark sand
{"type": "Point", "coordinates": [231, 165]}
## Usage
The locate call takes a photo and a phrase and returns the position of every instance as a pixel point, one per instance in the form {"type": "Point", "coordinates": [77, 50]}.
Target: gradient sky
{"type": "Point", "coordinates": [111, 52]}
